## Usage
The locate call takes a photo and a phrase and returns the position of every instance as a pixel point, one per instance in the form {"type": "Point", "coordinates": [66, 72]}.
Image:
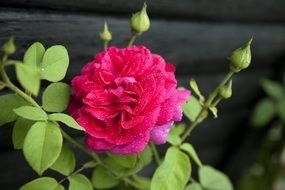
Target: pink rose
{"type": "Point", "coordinates": [125, 98]}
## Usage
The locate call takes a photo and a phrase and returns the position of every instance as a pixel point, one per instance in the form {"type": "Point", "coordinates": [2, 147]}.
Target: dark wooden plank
{"type": "Point", "coordinates": [192, 47]}
{"type": "Point", "coordinates": [220, 130]}
{"type": "Point", "coordinates": [246, 151]}
{"type": "Point", "coordinates": [221, 10]}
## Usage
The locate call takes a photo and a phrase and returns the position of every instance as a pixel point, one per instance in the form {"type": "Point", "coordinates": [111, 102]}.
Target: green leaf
{"type": "Point", "coordinates": [114, 166]}
{"type": "Point", "coordinates": [43, 183]}
{"type": "Point", "coordinates": [42, 145]}
{"type": "Point", "coordinates": [122, 171]}
{"type": "Point", "coordinates": [55, 63]}
{"type": "Point", "coordinates": [127, 161]}
{"type": "Point", "coordinates": [34, 54]}
{"type": "Point", "coordinates": [28, 74]}
{"type": "Point", "coordinates": [214, 111]}
{"type": "Point", "coordinates": [192, 153]}
{"type": "Point", "coordinates": [192, 108]}
{"type": "Point", "coordinates": [173, 173]}
{"type": "Point", "coordinates": [10, 102]}
{"type": "Point", "coordinates": [263, 113]}
{"type": "Point", "coordinates": [29, 77]}
{"type": "Point", "coordinates": [146, 155]}
{"type": "Point", "coordinates": [9, 47]}
{"type": "Point", "coordinates": [273, 89]}
{"type": "Point", "coordinates": [31, 113]}
{"type": "Point", "coordinates": [211, 178]}
{"type": "Point", "coordinates": [194, 186]}
{"type": "Point", "coordinates": [102, 179]}
{"type": "Point", "coordinates": [65, 163]}
{"type": "Point", "coordinates": [195, 88]}
{"type": "Point", "coordinates": [20, 130]}
{"type": "Point", "coordinates": [174, 134]}
{"type": "Point", "coordinates": [56, 97]}
{"type": "Point", "coordinates": [66, 119]}
{"type": "Point", "coordinates": [79, 182]}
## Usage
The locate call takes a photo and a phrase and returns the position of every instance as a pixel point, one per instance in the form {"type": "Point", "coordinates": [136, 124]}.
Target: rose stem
{"type": "Point", "coordinates": [105, 45]}
{"type": "Point", "coordinates": [205, 107]}
{"type": "Point", "coordinates": [83, 167]}
{"type": "Point", "coordinates": [14, 88]}
{"type": "Point", "coordinates": [132, 39]}
{"type": "Point", "coordinates": [155, 153]}
{"type": "Point", "coordinates": [81, 147]}
{"type": "Point", "coordinates": [132, 183]}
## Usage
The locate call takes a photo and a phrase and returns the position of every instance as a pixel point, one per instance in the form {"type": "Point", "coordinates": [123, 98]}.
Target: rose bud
{"type": "Point", "coordinates": [125, 98]}
{"type": "Point", "coordinates": [226, 90]}
{"type": "Point", "coordinates": [9, 47]}
{"type": "Point", "coordinates": [106, 35]}
{"type": "Point", "coordinates": [241, 57]}
{"type": "Point", "coordinates": [140, 21]}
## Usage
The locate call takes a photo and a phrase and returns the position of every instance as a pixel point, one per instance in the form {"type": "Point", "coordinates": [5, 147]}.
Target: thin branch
{"type": "Point", "coordinates": [155, 153]}
{"type": "Point", "coordinates": [205, 107]}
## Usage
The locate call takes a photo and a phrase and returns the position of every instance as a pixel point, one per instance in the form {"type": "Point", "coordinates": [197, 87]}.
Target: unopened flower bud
{"type": "Point", "coordinates": [241, 57]}
{"type": "Point", "coordinates": [9, 47]}
{"type": "Point", "coordinates": [226, 90]}
{"type": "Point", "coordinates": [106, 35]}
{"type": "Point", "coordinates": [140, 21]}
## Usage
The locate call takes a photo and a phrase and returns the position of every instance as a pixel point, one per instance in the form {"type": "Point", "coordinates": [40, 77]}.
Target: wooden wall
{"type": "Point", "coordinates": [195, 35]}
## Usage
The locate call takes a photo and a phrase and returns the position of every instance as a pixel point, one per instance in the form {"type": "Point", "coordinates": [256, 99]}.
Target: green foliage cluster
{"type": "Point", "coordinates": [271, 106]}
{"type": "Point", "coordinates": [267, 171]}
{"type": "Point", "coordinates": [39, 133]}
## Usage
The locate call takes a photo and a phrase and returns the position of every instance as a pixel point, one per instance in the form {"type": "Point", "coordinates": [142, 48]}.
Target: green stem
{"type": "Point", "coordinates": [205, 107]}
{"type": "Point", "coordinates": [132, 39]}
{"type": "Point", "coordinates": [193, 124]}
{"type": "Point", "coordinates": [105, 45]}
{"type": "Point", "coordinates": [215, 103]}
{"type": "Point", "coordinates": [14, 88]}
{"type": "Point", "coordinates": [81, 147]}
{"type": "Point", "coordinates": [155, 153]}
{"type": "Point", "coordinates": [132, 183]}
{"type": "Point", "coordinates": [94, 156]}
{"type": "Point", "coordinates": [85, 166]}
{"type": "Point", "coordinates": [216, 91]}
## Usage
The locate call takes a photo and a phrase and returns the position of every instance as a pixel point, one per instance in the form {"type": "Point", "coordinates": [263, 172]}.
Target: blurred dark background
{"type": "Point", "coordinates": [195, 35]}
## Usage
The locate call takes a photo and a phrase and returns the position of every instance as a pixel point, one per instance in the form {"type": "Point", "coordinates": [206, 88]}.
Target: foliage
{"type": "Point", "coordinates": [267, 171]}
{"type": "Point", "coordinates": [38, 130]}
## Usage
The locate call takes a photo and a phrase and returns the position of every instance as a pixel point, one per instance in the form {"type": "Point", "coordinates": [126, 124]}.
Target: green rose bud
{"type": "Point", "coordinates": [140, 21]}
{"type": "Point", "coordinates": [106, 35]}
{"type": "Point", "coordinates": [241, 57]}
{"type": "Point", "coordinates": [9, 47]}
{"type": "Point", "coordinates": [226, 90]}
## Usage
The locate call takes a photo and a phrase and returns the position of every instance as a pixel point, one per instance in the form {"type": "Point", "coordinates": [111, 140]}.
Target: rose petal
{"type": "Point", "coordinates": [124, 98]}
{"type": "Point", "coordinates": [159, 133]}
